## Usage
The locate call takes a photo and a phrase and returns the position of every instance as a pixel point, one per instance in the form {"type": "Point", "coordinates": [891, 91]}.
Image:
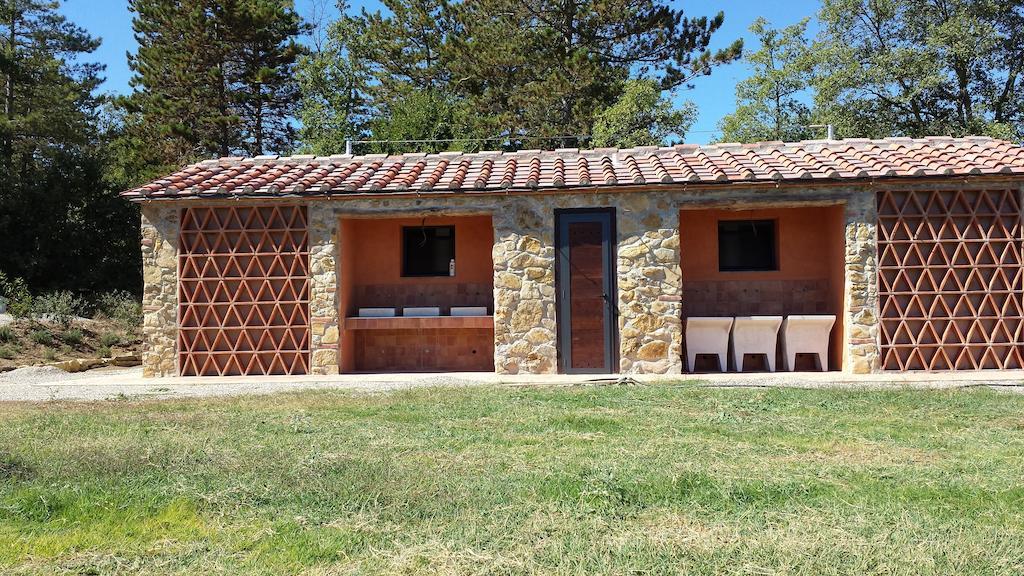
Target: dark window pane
{"type": "Point", "coordinates": [746, 245]}
{"type": "Point", "coordinates": [427, 250]}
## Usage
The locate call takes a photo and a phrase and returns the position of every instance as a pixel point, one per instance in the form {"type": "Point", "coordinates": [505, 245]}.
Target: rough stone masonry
{"type": "Point", "coordinates": [523, 255]}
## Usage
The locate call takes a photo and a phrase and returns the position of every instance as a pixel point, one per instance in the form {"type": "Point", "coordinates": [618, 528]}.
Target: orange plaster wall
{"type": "Point", "coordinates": [810, 248]}
{"type": "Point", "coordinates": [374, 250]}
{"type": "Point", "coordinates": [371, 264]}
{"type": "Point", "coordinates": [803, 237]}
{"type": "Point", "coordinates": [346, 267]}
{"type": "Point", "coordinates": [836, 229]}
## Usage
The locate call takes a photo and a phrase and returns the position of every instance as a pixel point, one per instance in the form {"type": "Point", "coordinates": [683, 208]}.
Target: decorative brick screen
{"type": "Point", "coordinates": [950, 282]}
{"type": "Point", "coordinates": [243, 291]}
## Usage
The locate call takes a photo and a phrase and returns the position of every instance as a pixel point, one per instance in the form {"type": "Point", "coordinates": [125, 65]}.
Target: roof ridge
{"type": "Point", "coordinates": [597, 151]}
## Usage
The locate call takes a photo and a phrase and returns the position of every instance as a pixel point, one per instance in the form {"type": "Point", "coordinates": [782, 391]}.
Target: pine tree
{"type": "Point", "coordinates": [215, 77]}
{"type": "Point", "coordinates": [61, 225]}
{"type": "Point", "coordinates": [523, 72]}
{"type": "Point", "coordinates": [547, 67]}
{"type": "Point", "coordinates": [261, 56]}
{"type": "Point", "coordinates": [413, 94]}
{"type": "Point", "coordinates": [46, 91]}
{"type": "Point", "coordinates": [180, 88]}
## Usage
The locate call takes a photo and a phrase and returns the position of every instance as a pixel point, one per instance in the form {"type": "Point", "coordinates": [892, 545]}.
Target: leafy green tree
{"type": "Point", "coordinates": [423, 115]}
{"type": "Point", "coordinates": [772, 103]}
{"type": "Point", "coordinates": [642, 117]}
{"type": "Point", "coordinates": [62, 225]}
{"type": "Point", "coordinates": [333, 86]}
{"type": "Point", "coordinates": [408, 54]}
{"type": "Point", "coordinates": [921, 67]}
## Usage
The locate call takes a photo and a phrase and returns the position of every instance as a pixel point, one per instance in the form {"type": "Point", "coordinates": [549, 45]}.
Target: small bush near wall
{"type": "Point", "coordinates": [119, 305]}
{"type": "Point", "coordinates": [44, 337]}
{"type": "Point", "coordinates": [59, 307]}
{"type": "Point", "coordinates": [16, 295]}
{"type": "Point", "coordinates": [73, 336]}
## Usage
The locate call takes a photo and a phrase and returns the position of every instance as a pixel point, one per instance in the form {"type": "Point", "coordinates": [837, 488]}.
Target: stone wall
{"type": "Point", "coordinates": [524, 287]}
{"type": "Point", "coordinates": [323, 289]}
{"type": "Point", "coordinates": [523, 258]}
{"type": "Point", "coordinates": [650, 338]}
{"type": "Point", "coordinates": [861, 291]}
{"type": "Point", "coordinates": [160, 289]}
{"type": "Point", "coordinates": [650, 289]}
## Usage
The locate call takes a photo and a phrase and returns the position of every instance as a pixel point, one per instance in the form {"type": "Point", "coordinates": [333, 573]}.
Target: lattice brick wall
{"type": "Point", "coordinates": [950, 279]}
{"type": "Point", "coordinates": [243, 291]}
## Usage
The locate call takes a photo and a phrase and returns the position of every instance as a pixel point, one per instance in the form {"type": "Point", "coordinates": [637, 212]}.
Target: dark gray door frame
{"type": "Point", "coordinates": [564, 217]}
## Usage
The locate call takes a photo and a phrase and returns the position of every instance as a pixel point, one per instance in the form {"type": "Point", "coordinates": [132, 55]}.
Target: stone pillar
{"type": "Point", "coordinates": [160, 290]}
{"type": "Point", "coordinates": [524, 288]}
{"type": "Point", "coordinates": [861, 286]}
{"type": "Point", "coordinates": [649, 286]}
{"type": "Point", "coordinates": [323, 288]}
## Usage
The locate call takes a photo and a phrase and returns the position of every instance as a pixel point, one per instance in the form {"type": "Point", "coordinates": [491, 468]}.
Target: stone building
{"type": "Point", "coordinates": [582, 260]}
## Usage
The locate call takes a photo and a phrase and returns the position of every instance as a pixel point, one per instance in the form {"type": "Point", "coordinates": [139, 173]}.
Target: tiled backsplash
{"type": "Point", "coordinates": [426, 350]}
{"type": "Point", "coordinates": [443, 295]}
{"type": "Point", "coordinates": [757, 297]}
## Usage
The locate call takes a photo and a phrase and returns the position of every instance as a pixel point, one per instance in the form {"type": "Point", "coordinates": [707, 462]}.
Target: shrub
{"type": "Point", "coordinates": [60, 307]}
{"type": "Point", "coordinates": [108, 339]}
{"type": "Point", "coordinates": [121, 306]}
{"type": "Point", "coordinates": [19, 299]}
{"type": "Point", "coordinates": [49, 354]}
{"type": "Point", "coordinates": [73, 336]}
{"type": "Point", "coordinates": [6, 352]}
{"type": "Point", "coordinates": [103, 352]}
{"type": "Point", "coordinates": [44, 337]}
{"type": "Point", "coordinates": [7, 334]}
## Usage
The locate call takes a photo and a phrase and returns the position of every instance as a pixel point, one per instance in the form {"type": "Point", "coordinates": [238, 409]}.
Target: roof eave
{"type": "Point", "coordinates": [134, 196]}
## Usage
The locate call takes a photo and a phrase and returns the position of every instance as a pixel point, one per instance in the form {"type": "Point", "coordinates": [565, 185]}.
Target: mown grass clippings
{"type": "Point", "coordinates": [651, 480]}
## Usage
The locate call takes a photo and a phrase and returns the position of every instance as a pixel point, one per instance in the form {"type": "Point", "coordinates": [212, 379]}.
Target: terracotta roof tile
{"type": "Point", "coordinates": [568, 168]}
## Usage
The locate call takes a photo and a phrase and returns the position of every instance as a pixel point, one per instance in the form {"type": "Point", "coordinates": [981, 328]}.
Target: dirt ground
{"type": "Point", "coordinates": [35, 343]}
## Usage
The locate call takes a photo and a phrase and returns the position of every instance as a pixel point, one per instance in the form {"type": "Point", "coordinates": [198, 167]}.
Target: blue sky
{"type": "Point", "coordinates": [714, 95]}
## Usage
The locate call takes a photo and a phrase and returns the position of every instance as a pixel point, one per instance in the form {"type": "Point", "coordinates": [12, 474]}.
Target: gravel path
{"type": "Point", "coordinates": [34, 384]}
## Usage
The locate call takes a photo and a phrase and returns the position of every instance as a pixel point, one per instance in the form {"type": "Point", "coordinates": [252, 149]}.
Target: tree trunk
{"type": "Point", "coordinates": [12, 39]}
{"type": "Point", "coordinates": [257, 121]}
{"type": "Point", "coordinates": [222, 106]}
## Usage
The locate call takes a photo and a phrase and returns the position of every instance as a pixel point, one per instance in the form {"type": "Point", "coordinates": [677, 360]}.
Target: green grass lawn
{"type": "Point", "coordinates": [623, 480]}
